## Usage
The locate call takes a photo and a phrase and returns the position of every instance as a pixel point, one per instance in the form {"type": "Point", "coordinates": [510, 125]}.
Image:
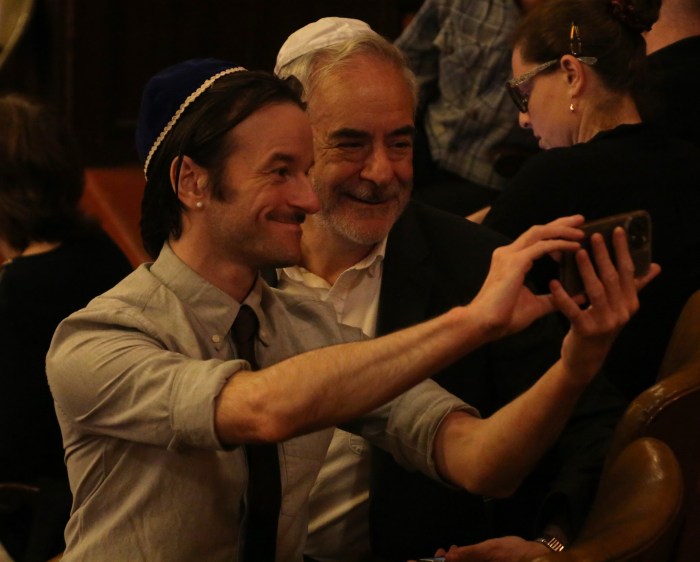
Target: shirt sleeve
{"type": "Point", "coordinates": [111, 374]}
{"type": "Point", "coordinates": [406, 426]}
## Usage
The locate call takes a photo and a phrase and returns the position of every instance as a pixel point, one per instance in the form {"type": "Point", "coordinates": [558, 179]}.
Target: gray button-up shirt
{"type": "Point", "coordinates": [135, 376]}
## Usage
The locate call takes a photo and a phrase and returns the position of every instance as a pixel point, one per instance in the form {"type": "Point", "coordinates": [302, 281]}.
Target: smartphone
{"type": "Point", "coordinates": [637, 226]}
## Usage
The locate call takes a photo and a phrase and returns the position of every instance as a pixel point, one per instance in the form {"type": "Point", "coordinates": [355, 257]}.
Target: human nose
{"type": "Point", "coordinates": [524, 120]}
{"type": "Point", "coordinates": [305, 196]}
{"type": "Point", "coordinates": [378, 167]}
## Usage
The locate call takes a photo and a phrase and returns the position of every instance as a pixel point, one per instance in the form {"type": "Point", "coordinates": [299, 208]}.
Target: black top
{"type": "Point", "coordinates": [36, 293]}
{"type": "Point", "coordinates": [674, 83]}
{"type": "Point", "coordinates": [630, 167]}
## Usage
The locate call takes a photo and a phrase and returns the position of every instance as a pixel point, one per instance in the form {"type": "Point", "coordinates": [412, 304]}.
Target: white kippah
{"type": "Point", "coordinates": [317, 35]}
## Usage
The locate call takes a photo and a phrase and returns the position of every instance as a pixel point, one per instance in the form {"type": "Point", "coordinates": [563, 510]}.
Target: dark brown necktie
{"type": "Point", "coordinates": [264, 488]}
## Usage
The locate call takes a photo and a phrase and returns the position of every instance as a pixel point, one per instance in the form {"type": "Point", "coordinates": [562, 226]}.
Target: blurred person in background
{"type": "Point", "coordinates": [468, 141]}
{"type": "Point", "coordinates": [673, 49]}
{"type": "Point", "coordinates": [56, 260]}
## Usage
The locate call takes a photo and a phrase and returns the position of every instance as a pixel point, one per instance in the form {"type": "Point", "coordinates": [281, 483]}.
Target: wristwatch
{"type": "Point", "coordinates": [552, 543]}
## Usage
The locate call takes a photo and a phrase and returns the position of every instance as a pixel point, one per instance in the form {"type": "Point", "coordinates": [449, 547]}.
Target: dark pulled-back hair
{"type": "Point", "coordinates": [610, 30]}
{"type": "Point", "coordinates": [200, 133]}
{"type": "Point", "coordinates": [41, 174]}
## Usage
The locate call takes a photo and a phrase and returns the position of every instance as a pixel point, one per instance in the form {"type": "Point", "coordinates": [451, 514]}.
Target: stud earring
{"type": "Point", "coordinates": [571, 107]}
{"type": "Point", "coordinates": [199, 205]}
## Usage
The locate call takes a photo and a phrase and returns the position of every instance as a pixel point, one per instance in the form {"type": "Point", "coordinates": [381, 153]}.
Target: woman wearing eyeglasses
{"type": "Point", "coordinates": [577, 66]}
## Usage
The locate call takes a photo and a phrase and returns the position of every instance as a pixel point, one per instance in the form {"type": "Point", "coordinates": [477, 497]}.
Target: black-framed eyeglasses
{"type": "Point", "coordinates": [519, 97]}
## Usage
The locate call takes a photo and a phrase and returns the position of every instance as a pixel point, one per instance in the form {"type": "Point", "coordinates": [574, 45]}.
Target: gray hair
{"type": "Point", "coordinates": [313, 67]}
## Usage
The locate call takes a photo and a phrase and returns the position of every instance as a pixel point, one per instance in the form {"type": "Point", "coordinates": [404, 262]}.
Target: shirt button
{"type": "Point", "coordinates": [216, 338]}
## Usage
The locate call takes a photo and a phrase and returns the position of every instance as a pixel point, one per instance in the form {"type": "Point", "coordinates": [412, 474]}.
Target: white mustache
{"type": "Point", "coordinates": [373, 193]}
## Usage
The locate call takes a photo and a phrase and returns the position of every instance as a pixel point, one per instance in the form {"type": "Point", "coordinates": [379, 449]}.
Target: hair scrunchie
{"type": "Point", "coordinates": [623, 11]}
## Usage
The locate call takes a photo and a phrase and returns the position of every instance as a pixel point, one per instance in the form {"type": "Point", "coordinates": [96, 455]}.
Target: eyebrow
{"type": "Point", "coordinates": [349, 133]}
{"type": "Point", "coordinates": [402, 131]}
{"type": "Point", "coordinates": [279, 157]}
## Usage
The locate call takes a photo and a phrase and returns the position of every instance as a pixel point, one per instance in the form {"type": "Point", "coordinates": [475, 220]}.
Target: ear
{"type": "Point", "coordinates": [574, 74]}
{"type": "Point", "coordinates": [193, 181]}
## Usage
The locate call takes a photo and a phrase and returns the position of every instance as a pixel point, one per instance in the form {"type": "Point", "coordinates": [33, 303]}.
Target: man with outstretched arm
{"type": "Point", "coordinates": [157, 407]}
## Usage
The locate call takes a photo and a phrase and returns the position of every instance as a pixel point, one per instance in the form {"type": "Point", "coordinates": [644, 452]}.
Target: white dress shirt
{"type": "Point", "coordinates": [339, 501]}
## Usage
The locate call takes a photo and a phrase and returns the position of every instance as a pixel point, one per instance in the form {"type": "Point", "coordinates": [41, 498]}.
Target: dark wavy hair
{"type": "Point", "coordinates": [41, 174]}
{"type": "Point", "coordinates": [200, 133]}
{"type": "Point", "coordinates": [610, 30]}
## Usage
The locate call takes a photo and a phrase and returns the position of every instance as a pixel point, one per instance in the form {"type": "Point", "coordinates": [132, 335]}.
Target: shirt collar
{"type": "Point", "coordinates": [372, 263]}
{"type": "Point", "coordinates": [373, 260]}
{"type": "Point", "coordinates": [214, 308]}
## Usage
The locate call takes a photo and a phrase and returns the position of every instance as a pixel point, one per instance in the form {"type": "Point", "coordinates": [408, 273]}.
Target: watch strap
{"type": "Point", "coordinates": [551, 542]}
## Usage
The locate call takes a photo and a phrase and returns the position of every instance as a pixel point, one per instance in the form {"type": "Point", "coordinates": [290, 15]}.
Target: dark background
{"type": "Point", "coordinates": [91, 58]}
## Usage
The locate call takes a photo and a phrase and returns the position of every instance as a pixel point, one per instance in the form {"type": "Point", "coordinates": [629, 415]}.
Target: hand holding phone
{"type": "Point", "coordinates": [637, 226]}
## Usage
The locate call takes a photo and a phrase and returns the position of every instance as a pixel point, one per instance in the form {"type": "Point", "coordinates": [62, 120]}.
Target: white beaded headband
{"type": "Point", "coordinates": [185, 104]}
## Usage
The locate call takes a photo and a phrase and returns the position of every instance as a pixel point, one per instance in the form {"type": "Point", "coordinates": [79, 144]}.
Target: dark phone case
{"type": "Point", "coordinates": [637, 226]}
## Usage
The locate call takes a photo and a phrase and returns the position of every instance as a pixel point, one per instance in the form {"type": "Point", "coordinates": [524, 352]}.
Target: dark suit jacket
{"type": "Point", "coordinates": [435, 261]}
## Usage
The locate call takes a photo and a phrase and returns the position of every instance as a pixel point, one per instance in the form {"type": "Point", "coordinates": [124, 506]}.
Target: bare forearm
{"type": "Point", "coordinates": [493, 458]}
{"type": "Point", "coordinates": [325, 387]}
{"type": "Point", "coordinates": [493, 455]}
{"type": "Point", "coordinates": [328, 386]}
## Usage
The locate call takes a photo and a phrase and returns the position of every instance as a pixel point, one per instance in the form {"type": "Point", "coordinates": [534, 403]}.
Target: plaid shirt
{"type": "Point", "coordinates": [460, 52]}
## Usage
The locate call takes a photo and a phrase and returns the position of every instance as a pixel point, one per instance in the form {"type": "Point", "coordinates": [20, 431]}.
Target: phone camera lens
{"type": "Point", "coordinates": [637, 232]}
